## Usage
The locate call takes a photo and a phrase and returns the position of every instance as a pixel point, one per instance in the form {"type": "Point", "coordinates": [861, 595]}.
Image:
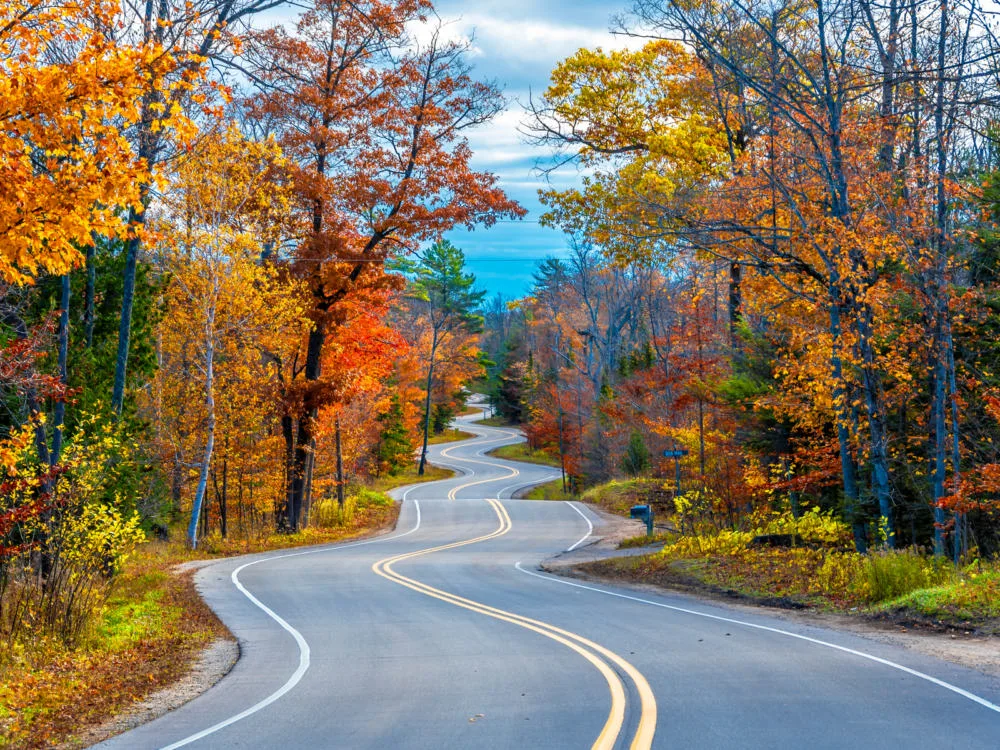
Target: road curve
{"type": "Point", "coordinates": [445, 634]}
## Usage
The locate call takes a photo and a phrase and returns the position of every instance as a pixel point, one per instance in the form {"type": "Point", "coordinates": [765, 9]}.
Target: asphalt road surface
{"type": "Point", "coordinates": [444, 634]}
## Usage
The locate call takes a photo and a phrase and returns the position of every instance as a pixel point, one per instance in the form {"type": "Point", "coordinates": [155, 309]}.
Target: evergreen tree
{"type": "Point", "coordinates": [394, 451]}
{"type": "Point", "coordinates": [636, 458]}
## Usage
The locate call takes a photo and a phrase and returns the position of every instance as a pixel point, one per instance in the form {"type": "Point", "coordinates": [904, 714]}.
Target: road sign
{"type": "Point", "coordinates": [680, 453]}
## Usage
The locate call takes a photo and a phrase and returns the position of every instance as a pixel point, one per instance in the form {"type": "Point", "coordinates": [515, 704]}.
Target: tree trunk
{"type": "Point", "coordinates": [137, 218]}
{"type": "Point", "coordinates": [562, 451]}
{"type": "Point", "coordinates": [206, 460]}
{"type": "Point", "coordinates": [60, 408]}
{"type": "Point", "coordinates": [939, 401]}
{"type": "Point", "coordinates": [340, 464]}
{"type": "Point", "coordinates": [872, 386]}
{"type": "Point", "coordinates": [735, 304]}
{"type": "Point", "coordinates": [427, 408]}
{"type": "Point", "coordinates": [301, 467]}
{"type": "Point", "coordinates": [284, 514]}
{"type": "Point", "coordinates": [842, 415]}
{"type": "Point", "coordinates": [88, 298]}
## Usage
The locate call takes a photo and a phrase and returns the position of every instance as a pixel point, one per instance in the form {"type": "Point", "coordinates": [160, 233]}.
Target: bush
{"type": "Point", "coordinates": [813, 526]}
{"type": "Point", "coordinates": [887, 574]}
{"type": "Point", "coordinates": [327, 513]}
{"type": "Point", "coordinates": [63, 534]}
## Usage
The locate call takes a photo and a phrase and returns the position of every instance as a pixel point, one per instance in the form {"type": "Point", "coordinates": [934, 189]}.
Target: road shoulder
{"type": "Point", "coordinates": [588, 563]}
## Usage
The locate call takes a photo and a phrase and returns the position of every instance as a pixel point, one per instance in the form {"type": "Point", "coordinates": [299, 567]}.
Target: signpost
{"type": "Point", "coordinates": [677, 454]}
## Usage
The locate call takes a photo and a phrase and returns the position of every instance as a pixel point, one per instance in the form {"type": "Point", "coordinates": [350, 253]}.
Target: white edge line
{"type": "Point", "coordinates": [590, 527]}
{"type": "Point", "coordinates": [940, 683]}
{"type": "Point", "coordinates": [299, 640]}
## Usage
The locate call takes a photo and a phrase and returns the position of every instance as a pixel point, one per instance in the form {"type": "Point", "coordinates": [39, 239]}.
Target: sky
{"type": "Point", "coordinates": [517, 43]}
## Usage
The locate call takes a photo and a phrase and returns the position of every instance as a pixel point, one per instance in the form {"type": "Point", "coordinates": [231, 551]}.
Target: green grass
{"type": "Point", "coordinates": [549, 491]}
{"type": "Point", "coordinates": [135, 612]}
{"type": "Point", "coordinates": [495, 422]}
{"type": "Point", "coordinates": [410, 476]}
{"type": "Point", "coordinates": [974, 598]}
{"type": "Point", "coordinates": [521, 452]}
{"type": "Point", "coordinates": [450, 436]}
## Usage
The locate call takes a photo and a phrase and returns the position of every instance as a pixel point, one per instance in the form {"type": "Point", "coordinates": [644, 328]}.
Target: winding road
{"type": "Point", "coordinates": [444, 634]}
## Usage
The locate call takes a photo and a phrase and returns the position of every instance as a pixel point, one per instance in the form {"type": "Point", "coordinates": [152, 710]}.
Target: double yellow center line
{"type": "Point", "coordinates": [600, 657]}
{"type": "Point", "coordinates": [511, 472]}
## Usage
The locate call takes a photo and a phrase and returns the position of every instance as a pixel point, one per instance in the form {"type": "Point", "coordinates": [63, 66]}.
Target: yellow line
{"type": "Point", "coordinates": [454, 490]}
{"type": "Point", "coordinates": [613, 725]}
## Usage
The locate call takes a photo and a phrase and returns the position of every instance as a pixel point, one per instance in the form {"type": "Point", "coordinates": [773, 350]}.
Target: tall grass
{"type": "Point", "coordinates": [887, 574]}
{"type": "Point", "coordinates": [329, 514]}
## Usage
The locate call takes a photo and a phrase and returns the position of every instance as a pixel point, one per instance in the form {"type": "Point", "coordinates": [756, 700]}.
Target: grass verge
{"type": "Point", "coordinates": [153, 625]}
{"type": "Point", "coordinates": [521, 452]}
{"type": "Point", "coordinates": [618, 495]}
{"type": "Point", "coordinates": [936, 594]}
{"type": "Point", "coordinates": [449, 436]}
{"type": "Point", "coordinates": [410, 476]}
{"type": "Point", "coordinates": [549, 491]}
{"type": "Point", "coordinates": [495, 422]}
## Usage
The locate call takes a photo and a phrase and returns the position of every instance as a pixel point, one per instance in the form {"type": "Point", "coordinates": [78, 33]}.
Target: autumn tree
{"type": "Point", "coordinates": [226, 307]}
{"type": "Point", "coordinates": [375, 122]}
{"type": "Point", "coordinates": [190, 37]}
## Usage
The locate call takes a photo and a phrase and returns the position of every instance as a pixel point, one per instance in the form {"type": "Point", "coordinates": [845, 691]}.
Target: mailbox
{"type": "Point", "coordinates": [639, 511]}
{"type": "Point", "coordinates": [643, 513]}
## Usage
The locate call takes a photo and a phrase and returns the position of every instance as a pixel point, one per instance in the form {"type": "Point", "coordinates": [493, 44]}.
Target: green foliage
{"type": "Point", "coordinates": [636, 459]}
{"type": "Point", "coordinates": [511, 392]}
{"type": "Point", "coordinates": [441, 416]}
{"type": "Point", "coordinates": [889, 574]}
{"type": "Point", "coordinates": [974, 596]}
{"type": "Point", "coordinates": [439, 279]}
{"type": "Point", "coordinates": [129, 619]}
{"type": "Point", "coordinates": [91, 367]}
{"type": "Point", "coordinates": [549, 491]}
{"type": "Point", "coordinates": [521, 452]}
{"type": "Point", "coordinates": [394, 451]}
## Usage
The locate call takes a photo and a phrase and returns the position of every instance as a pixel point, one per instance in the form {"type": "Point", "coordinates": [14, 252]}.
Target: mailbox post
{"type": "Point", "coordinates": [677, 454]}
{"type": "Point", "coordinates": [643, 513]}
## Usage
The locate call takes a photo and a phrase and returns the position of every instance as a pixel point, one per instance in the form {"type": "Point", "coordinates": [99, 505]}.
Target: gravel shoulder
{"type": "Point", "coordinates": [978, 652]}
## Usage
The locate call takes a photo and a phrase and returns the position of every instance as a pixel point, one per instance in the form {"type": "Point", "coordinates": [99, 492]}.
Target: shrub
{"type": "Point", "coordinates": [888, 574]}
{"type": "Point", "coordinates": [814, 526]}
{"type": "Point", "coordinates": [636, 458]}
{"type": "Point", "coordinates": [328, 514]}
{"type": "Point", "coordinates": [722, 543]}
{"type": "Point", "coordinates": [63, 534]}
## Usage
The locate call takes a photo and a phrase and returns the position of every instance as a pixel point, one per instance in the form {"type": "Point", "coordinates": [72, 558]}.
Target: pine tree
{"type": "Point", "coordinates": [636, 458]}
{"type": "Point", "coordinates": [395, 451]}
